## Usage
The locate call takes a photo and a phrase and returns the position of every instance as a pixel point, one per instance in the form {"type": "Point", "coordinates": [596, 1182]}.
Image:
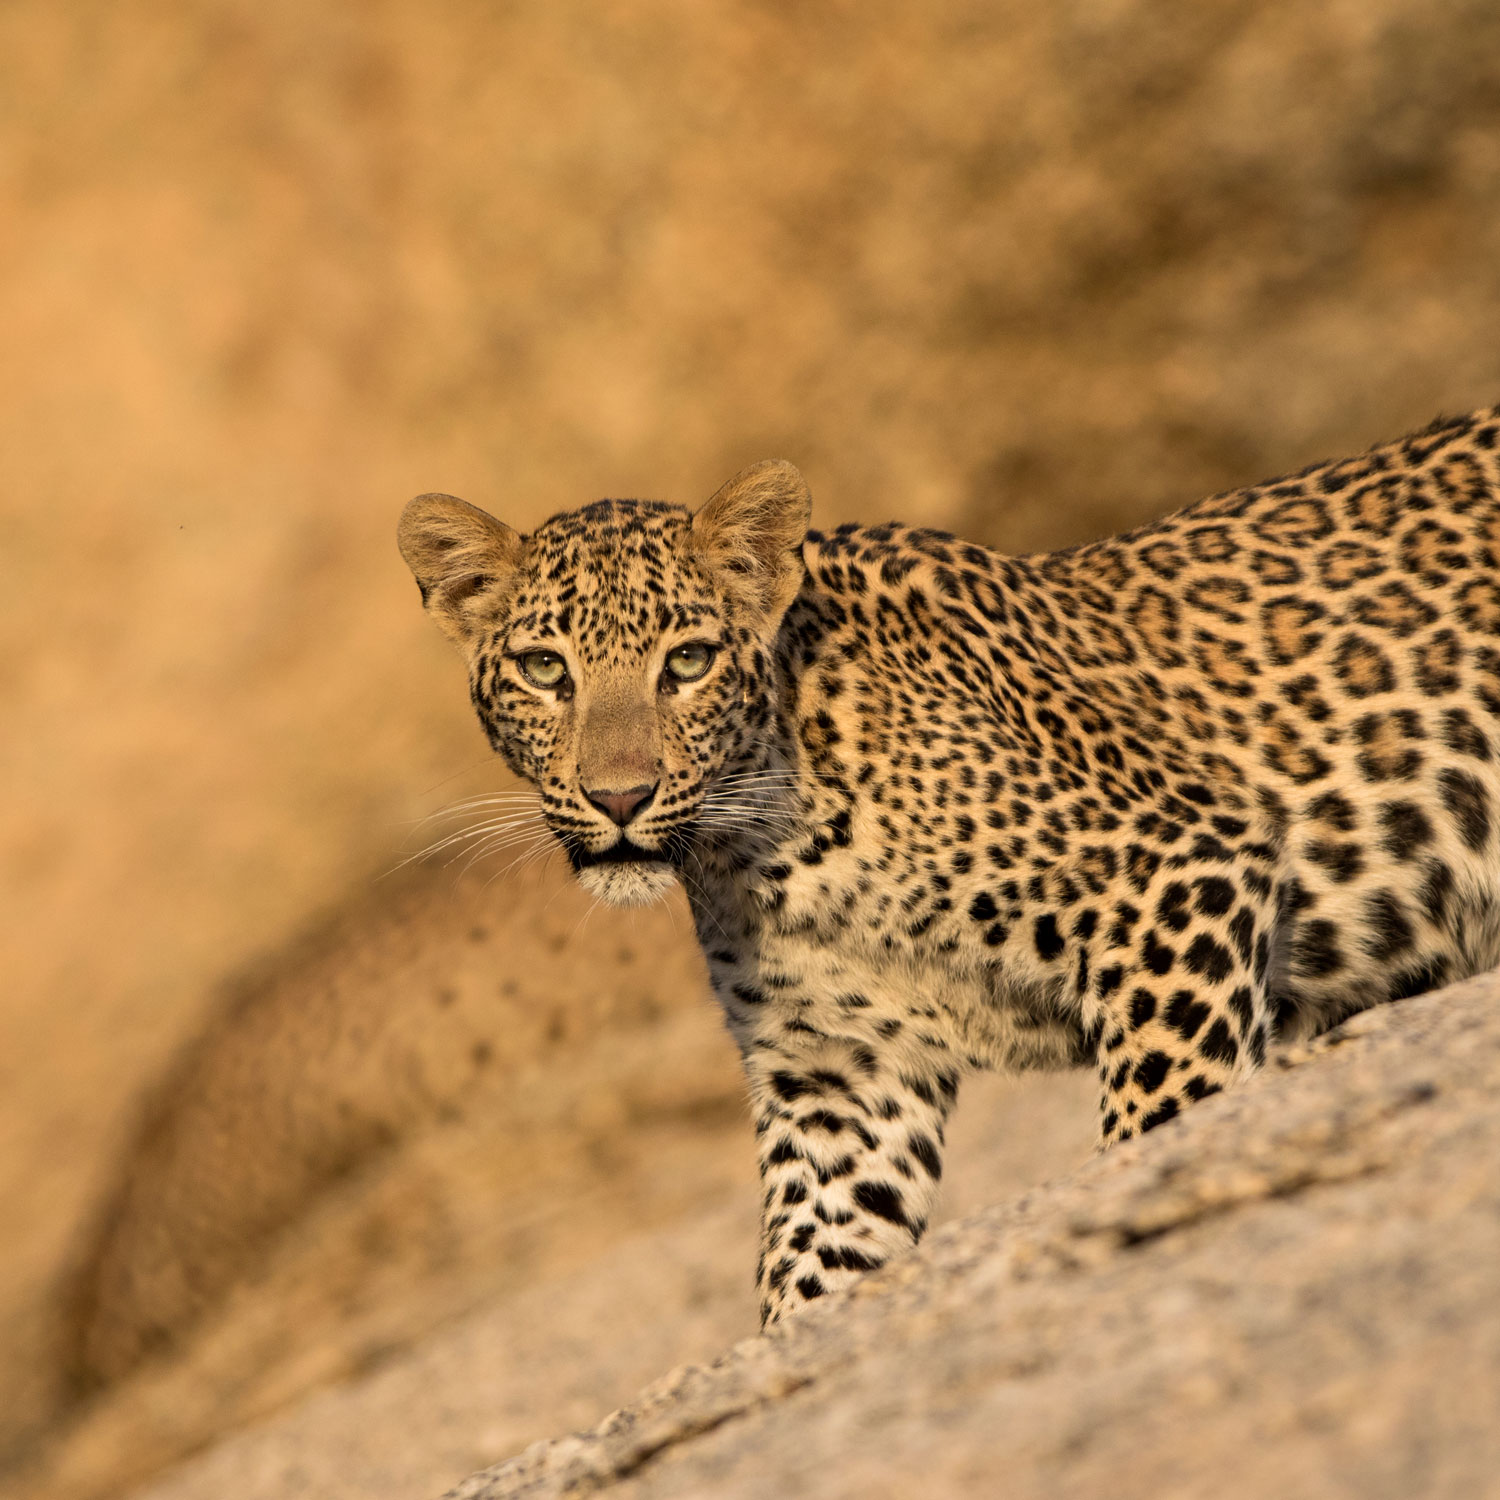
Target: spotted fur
{"type": "Point", "coordinates": [1144, 804]}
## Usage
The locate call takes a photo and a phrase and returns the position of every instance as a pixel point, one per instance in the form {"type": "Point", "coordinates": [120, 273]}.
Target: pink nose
{"type": "Point", "coordinates": [621, 807]}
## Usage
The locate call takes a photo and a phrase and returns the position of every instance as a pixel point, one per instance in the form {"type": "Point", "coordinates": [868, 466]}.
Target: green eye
{"type": "Point", "coordinates": [690, 662]}
{"type": "Point", "coordinates": [544, 668]}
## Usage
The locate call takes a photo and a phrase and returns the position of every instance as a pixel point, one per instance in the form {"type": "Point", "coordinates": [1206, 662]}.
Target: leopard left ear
{"type": "Point", "coordinates": [462, 558]}
{"type": "Point", "coordinates": [751, 533]}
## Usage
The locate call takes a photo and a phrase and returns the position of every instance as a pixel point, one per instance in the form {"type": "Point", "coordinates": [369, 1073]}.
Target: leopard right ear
{"type": "Point", "coordinates": [463, 559]}
{"type": "Point", "coordinates": [750, 532]}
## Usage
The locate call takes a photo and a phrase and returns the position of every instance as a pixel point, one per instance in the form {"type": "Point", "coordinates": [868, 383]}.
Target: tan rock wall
{"type": "Point", "coordinates": [268, 269]}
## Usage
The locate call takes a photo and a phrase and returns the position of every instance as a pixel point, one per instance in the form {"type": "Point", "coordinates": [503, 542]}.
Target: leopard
{"type": "Point", "coordinates": [1148, 805]}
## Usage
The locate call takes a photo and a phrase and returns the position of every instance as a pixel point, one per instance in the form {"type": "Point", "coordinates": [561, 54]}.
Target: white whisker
{"type": "Point", "coordinates": [496, 843]}
{"type": "Point", "coordinates": [479, 804]}
{"type": "Point", "coordinates": [541, 848]}
{"type": "Point", "coordinates": [480, 830]}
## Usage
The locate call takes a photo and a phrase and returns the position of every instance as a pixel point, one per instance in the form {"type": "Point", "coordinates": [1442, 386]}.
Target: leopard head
{"type": "Point", "coordinates": [620, 658]}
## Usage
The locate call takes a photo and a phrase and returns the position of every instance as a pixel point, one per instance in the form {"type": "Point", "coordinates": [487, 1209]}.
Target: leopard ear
{"type": "Point", "coordinates": [462, 558]}
{"type": "Point", "coordinates": [750, 533]}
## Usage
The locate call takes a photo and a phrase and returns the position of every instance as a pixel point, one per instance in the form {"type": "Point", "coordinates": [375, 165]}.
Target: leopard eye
{"type": "Point", "coordinates": [688, 663]}
{"type": "Point", "coordinates": [546, 669]}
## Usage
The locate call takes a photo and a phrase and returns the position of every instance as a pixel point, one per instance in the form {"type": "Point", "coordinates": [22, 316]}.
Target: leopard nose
{"type": "Point", "coordinates": [621, 807]}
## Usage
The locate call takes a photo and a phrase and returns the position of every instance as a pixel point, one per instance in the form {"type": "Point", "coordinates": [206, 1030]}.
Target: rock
{"type": "Point", "coordinates": [558, 1345]}
{"type": "Point", "coordinates": [383, 1260]}
{"type": "Point", "coordinates": [1032, 272]}
{"type": "Point", "coordinates": [1294, 1290]}
{"type": "Point", "coordinates": [433, 997]}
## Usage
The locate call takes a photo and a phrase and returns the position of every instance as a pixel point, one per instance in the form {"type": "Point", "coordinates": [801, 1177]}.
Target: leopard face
{"type": "Point", "coordinates": [621, 709]}
{"type": "Point", "coordinates": [619, 660]}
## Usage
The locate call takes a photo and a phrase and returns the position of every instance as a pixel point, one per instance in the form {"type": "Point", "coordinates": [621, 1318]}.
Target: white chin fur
{"type": "Point", "coordinates": [627, 884]}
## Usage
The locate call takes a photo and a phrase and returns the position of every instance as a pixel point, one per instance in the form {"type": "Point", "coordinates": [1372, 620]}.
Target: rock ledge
{"type": "Point", "coordinates": [1295, 1290]}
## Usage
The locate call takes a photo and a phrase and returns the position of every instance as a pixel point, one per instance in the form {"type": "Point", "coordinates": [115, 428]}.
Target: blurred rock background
{"type": "Point", "coordinates": [1030, 272]}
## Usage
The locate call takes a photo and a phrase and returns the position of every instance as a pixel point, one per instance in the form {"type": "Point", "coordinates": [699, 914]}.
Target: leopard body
{"type": "Point", "coordinates": [1144, 805]}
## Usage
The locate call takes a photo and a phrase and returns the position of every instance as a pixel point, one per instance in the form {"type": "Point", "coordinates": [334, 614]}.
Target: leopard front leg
{"type": "Point", "coordinates": [1179, 993]}
{"type": "Point", "coordinates": [850, 1149]}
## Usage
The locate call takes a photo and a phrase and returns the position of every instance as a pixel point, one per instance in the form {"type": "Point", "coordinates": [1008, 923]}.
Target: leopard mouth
{"type": "Point", "coordinates": [621, 852]}
{"type": "Point", "coordinates": [673, 851]}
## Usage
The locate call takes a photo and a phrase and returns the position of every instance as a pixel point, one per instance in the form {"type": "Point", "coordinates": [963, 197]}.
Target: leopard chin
{"type": "Point", "coordinates": [629, 883]}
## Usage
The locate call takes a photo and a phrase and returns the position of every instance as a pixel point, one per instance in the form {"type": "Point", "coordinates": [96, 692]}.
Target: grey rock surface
{"type": "Point", "coordinates": [563, 1345]}
{"type": "Point", "coordinates": [1292, 1291]}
